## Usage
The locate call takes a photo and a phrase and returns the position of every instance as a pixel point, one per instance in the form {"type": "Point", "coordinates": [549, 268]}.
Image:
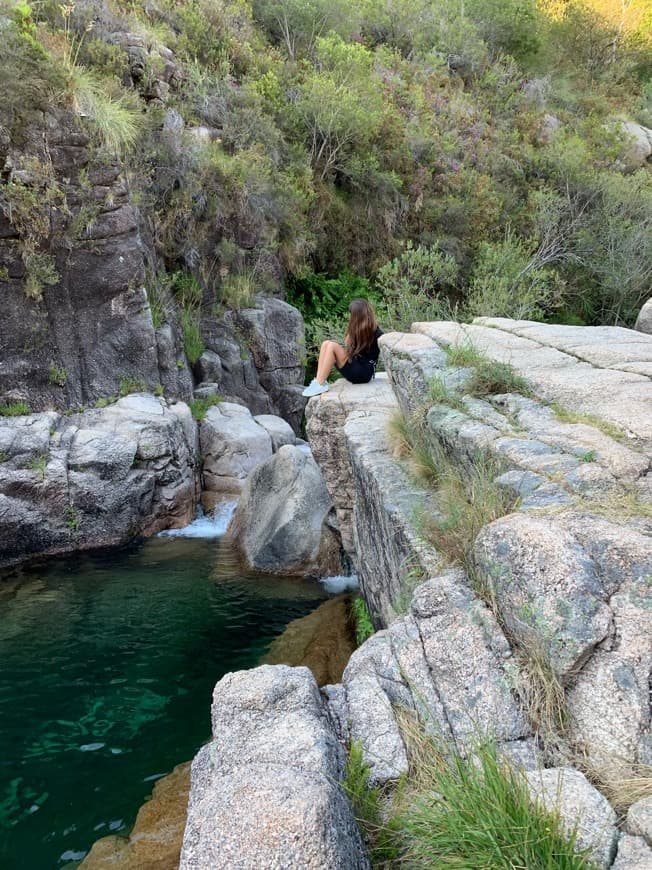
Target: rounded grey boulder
{"type": "Point", "coordinates": [281, 523]}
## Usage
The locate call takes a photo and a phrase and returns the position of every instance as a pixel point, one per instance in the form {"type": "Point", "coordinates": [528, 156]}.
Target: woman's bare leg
{"type": "Point", "coordinates": [330, 353]}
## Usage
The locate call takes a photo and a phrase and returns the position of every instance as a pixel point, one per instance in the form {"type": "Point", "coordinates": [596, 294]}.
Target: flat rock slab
{"type": "Point", "coordinates": [602, 370]}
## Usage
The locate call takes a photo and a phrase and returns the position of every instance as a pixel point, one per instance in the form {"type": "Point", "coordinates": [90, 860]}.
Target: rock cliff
{"type": "Point", "coordinates": [563, 578]}
{"type": "Point", "coordinates": [78, 269]}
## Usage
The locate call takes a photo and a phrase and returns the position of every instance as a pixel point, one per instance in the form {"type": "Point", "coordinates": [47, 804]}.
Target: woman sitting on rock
{"type": "Point", "coordinates": [356, 361]}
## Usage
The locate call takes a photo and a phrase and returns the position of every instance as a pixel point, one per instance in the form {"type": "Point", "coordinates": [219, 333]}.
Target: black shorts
{"type": "Point", "coordinates": [358, 371]}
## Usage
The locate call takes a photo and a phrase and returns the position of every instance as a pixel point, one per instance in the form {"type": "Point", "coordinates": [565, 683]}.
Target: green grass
{"type": "Point", "coordinates": [39, 464]}
{"type": "Point", "coordinates": [193, 342]}
{"type": "Point", "coordinates": [14, 409]}
{"type": "Point", "coordinates": [465, 355]}
{"type": "Point", "coordinates": [368, 807]}
{"type": "Point", "coordinates": [588, 456]}
{"type": "Point", "coordinates": [566, 416]}
{"type": "Point", "coordinates": [363, 625]}
{"type": "Point", "coordinates": [105, 401]}
{"type": "Point", "coordinates": [475, 813]}
{"type": "Point", "coordinates": [71, 517]}
{"type": "Point", "coordinates": [440, 394]}
{"type": "Point", "coordinates": [115, 116]}
{"type": "Point", "coordinates": [131, 385]}
{"type": "Point", "coordinates": [199, 407]}
{"type": "Point", "coordinates": [492, 378]}
{"type": "Point", "coordinates": [4, 457]}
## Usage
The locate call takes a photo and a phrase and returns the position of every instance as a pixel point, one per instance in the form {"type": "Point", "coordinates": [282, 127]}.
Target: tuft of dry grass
{"type": "Point", "coordinates": [622, 782]}
{"type": "Point", "coordinates": [542, 695]}
{"type": "Point", "coordinates": [468, 500]}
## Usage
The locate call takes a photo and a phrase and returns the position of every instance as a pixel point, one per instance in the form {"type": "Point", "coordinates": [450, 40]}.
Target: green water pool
{"type": "Point", "coordinates": [107, 665]}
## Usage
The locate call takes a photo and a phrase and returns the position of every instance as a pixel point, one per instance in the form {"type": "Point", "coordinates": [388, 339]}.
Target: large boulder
{"type": "Point", "coordinates": [279, 430]}
{"type": "Point", "coordinates": [256, 356]}
{"type": "Point", "coordinates": [549, 593]}
{"type": "Point", "coordinates": [638, 142]}
{"type": "Point", "coordinates": [265, 791]}
{"type": "Point", "coordinates": [96, 478]}
{"type": "Point", "coordinates": [644, 319]}
{"type": "Point", "coordinates": [581, 807]}
{"type": "Point", "coordinates": [282, 522]}
{"type": "Point", "coordinates": [232, 444]}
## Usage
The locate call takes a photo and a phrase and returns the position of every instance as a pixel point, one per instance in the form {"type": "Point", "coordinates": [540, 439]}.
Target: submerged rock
{"type": "Point", "coordinates": [322, 641]}
{"type": "Point", "coordinates": [155, 841]}
{"type": "Point", "coordinates": [281, 524]}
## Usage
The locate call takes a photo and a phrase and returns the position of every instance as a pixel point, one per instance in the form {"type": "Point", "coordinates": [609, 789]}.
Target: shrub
{"type": "Point", "coordinates": [509, 281]}
{"type": "Point", "coordinates": [57, 376]}
{"type": "Point", "coordinates": [415, 286]}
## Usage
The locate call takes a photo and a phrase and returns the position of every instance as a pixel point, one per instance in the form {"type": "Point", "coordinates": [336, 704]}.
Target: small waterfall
{"type": "Point", "coordinates": [213, 526]}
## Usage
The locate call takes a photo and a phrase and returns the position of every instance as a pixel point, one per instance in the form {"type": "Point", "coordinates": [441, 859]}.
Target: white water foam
{"type": "Point", "coordinates": [206, 526]}
{"type": "Point", "coordinates": [340, 583]}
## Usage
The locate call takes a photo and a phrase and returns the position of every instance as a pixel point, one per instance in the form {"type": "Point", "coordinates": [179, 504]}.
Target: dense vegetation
{"type": "Point", "coordinates": [438, 155]}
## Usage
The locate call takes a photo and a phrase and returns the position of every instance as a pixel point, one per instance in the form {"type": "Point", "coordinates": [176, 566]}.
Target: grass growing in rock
{"type": "Point", "coordinates": [475, 813]}
{"type": "Point", "coordinates": [541, 693]}
{"type": "Point", "coordinates": [199, 407]}
{"type": "Point", "coordinates": [622, 782]}
{"type": "Point", "coordinates": [369, 807]}
{"type": "Point", "coordinates": [131, 385]}
{"type": "Point", "coordinates": [489, 377]}
{"type": "Point", "coordinates": [14, 409]}
{"type": "Point", "coordinates": [566, 416]}
{"type": "Point", "coordinates": [364, 628]}
{"type": "Point", "coordinates": [468, 499]}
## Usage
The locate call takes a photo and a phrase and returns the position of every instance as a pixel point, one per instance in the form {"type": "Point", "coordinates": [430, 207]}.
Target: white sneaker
{"type": "Point", "coordinates": [314, 388]}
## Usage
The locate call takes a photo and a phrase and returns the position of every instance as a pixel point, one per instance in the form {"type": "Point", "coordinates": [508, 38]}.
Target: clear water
{"type": "Point", "coordinates": [107, 665]}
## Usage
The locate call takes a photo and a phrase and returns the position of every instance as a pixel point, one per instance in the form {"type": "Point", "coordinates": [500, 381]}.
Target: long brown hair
{"type": "Point", "coordinates": [362, 327]}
